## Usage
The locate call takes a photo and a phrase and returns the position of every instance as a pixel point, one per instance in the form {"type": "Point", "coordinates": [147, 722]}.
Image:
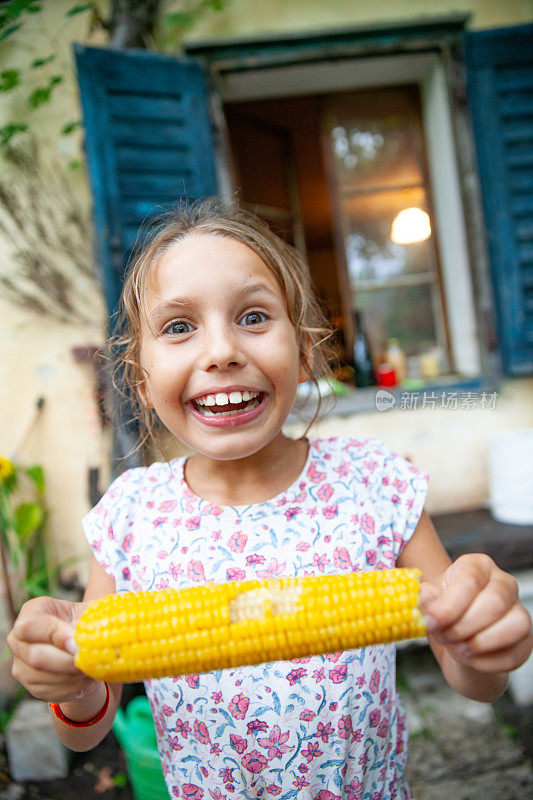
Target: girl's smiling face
{"type": "Point", "coordinates": [221, 355]}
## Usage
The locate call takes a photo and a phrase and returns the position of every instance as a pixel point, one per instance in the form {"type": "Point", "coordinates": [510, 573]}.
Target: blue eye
{"type": "Point", "coordinates": [178, 327]}
{"type": "Point", "coordinates": [253, 318]}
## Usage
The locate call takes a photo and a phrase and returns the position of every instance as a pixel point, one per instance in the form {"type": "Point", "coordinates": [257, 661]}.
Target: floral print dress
{"type": "Point", "coordinates": [320, 728]}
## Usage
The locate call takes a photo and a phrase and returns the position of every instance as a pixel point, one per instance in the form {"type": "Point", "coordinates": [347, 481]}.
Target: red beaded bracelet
{"type": "Point", "coordinates": [54, 707]}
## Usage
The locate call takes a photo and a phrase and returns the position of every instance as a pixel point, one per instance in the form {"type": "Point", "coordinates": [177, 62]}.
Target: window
{"type": "Point", "coordinates": [332, 170]}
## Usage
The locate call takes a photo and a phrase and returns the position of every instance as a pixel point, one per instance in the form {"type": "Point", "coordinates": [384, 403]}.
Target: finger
{"type": "Point", "coordinates": [507, 632]}
{"type": "Point", "coordinates": [46, 658]}
{"type": "Point", "coordinates": [29, 676]}
{"type": "Point", "coordinates": [493, 603]}
{"type": "Point", "coordinates": [57, 692]}
{"type": "Point", "coordinates": [499, 661]}
{"type": "Point", "coordinates": [462, 582]}
{"type": "Point", "coordinates": [42, 628]}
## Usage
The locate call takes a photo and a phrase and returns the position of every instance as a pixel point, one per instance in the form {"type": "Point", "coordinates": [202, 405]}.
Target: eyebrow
{"type": "Point", "coordinates": [185, 302]}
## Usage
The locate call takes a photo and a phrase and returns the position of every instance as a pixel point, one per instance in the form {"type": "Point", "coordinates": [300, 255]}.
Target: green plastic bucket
{"type": "Point", "coordinates": [135, 731]}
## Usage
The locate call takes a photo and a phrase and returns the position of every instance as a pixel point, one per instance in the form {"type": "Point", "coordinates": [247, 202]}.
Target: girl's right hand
{"type": "Point", "coordinates": [42, 643]}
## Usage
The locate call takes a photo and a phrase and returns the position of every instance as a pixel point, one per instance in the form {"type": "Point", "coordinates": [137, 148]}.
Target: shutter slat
{"type": "Point", "coordinates": [519, 104]}
{"type": "Point", "coordinates": [520, 156]}
{"type": "Point", "coordinates": [151, 158]}
{"type": "Point", "coordinates": [520, 205]}
{"type": "Point", "coordinates": [519, 130]}
{"type": "Point", "coordinates": [525, 254]}
{"type": "Point", "coordinates": [521, 180]}
{"type": "Point", "coordinates": [164, 187]}
{"type": "Point", "coordinates": [514, 80]}
{"type": "Point", "coordinates": [143, 132]}
{"type": "Point", "coordinates": [524, 231]}
{"type": "Point", "coordinates": [149, 107]}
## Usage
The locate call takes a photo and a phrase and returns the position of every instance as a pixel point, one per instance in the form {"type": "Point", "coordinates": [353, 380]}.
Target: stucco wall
{"type": "Point", "coordinates": [250, 17]}
{"type": "Point", "coordinates": [452, 445]}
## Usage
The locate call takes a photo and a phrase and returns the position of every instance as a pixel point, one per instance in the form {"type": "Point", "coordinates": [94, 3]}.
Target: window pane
{"type": "Point", "coordinates": [379, 190]}
{"type": "Point", "coordinates": [370, 252]}
{"type": "Point", "coordinates": [376, 139]}
{"type": "Point", "coordinates": [405, 313]}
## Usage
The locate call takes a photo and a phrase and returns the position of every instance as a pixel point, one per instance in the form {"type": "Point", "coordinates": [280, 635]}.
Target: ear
{"type": "Point", "coordinates": [307, 359]}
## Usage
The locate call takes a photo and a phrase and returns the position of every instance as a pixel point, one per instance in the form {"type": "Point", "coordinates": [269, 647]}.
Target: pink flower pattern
{"type": "Point", "coordinates": [275, 743]}
{"type": "Point", "coordinates": [275, 729]}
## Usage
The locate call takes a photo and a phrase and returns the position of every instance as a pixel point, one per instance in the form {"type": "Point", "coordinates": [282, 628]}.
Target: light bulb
{"type": "Point", "coordinates": [410, 225]}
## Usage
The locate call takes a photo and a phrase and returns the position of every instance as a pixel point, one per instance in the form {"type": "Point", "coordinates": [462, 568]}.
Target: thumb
{"type": "Point", "coordinates": [429, 592]}
{"type": "Point", "coordinates": [60, 634]}
{"type": "Point", "coordinates": [46, 620]}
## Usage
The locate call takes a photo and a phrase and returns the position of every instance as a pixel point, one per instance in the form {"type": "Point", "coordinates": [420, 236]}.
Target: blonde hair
{"type": "Point", "coordinates": [211, 217]}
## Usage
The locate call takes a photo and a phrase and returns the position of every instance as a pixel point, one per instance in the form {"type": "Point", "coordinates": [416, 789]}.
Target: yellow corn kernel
{"type": "Point", "coordinates": [139, 635]}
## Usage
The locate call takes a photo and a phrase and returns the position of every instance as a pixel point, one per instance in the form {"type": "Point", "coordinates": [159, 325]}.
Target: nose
{"type": "Point", "coordinates": [221, 349]}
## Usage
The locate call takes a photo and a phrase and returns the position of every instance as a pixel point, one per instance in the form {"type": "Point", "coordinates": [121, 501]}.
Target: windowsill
{"type": "Point", "coordinates": [433, 394]}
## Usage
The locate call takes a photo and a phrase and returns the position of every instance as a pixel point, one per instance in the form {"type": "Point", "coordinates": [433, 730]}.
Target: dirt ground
{"type": "Point", "coordinates": [97, 775]}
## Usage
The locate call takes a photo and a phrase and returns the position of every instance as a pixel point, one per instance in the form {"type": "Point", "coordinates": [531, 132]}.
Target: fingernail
{"type": "Point", "coordinates": [431, 622]}
{"type": "Point", "coordinates": [70, 646]}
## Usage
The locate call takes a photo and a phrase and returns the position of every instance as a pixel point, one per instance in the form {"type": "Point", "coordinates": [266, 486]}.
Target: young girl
{"type": "Point", "coordinates": [221, 327]}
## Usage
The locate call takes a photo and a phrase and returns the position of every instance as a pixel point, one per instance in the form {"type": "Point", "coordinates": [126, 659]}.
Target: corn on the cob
{"type": "Point", "coordinates": [139, 635]}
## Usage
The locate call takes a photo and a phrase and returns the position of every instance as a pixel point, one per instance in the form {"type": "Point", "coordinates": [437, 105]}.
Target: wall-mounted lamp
{"type": "Point", "coordinates": [410, 225]}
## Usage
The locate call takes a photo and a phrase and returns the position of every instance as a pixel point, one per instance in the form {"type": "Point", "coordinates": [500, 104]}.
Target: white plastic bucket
{"type": "Point", "coordinates": [511, 476]}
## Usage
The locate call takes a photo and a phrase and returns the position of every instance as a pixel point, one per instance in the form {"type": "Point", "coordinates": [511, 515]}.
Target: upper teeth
{"type": "Point", "coordinates": [222, 399]}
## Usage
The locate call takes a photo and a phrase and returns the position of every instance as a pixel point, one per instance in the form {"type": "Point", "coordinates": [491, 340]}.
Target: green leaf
{"type": "Point", "coordinates": [15, 8]}
{"type": "Point", "coordinates": [71, 126]}
{"type": "Point", "coordinates": [8, 131]}
{"type": "Point", "coordinates": [39, 96]}
{"type": "Point", "coordinates": [10, 30]}
{"type": "Point", "coordinates": [40, 62]}
{"type": "Point", "coordinates": [79, 9]}
{"type": "Point", "coordinates": [179, 19]}
{"type": "Point", "coordinates": [9, 483]}
{"type": "Point", "coordinates": [120, 779]}
{"type": "Point", "coordinates": [75, 164]}
{"type": "Point", "coordinates": [42, 94]}
{"type": "Point", "coordinates": [9, 78]}
{"type": "Point", "coordinates": [28, 518]}
{"type": "Point", "coordinates": [36, 474]}
{"type": "Point", "coordinates": [34, 588]}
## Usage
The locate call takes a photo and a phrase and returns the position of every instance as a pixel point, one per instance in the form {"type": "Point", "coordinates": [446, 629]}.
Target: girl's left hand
{"type": "Point", "coordinates": [474, 611]}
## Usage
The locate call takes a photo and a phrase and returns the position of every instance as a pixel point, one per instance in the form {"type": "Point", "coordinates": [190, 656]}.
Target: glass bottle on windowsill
{"type": "Point", "coordinates": [362, 359]}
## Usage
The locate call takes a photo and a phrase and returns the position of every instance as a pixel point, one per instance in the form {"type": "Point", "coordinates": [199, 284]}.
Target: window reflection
{"type": "Point", "coordinates": [378, 164]}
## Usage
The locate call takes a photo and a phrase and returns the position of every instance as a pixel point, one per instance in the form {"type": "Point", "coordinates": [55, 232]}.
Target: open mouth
{"type": "Point", "coordinates": [227, 405]}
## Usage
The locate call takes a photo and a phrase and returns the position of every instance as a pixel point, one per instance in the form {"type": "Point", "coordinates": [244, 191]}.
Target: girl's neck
{"type": "Point", "coordinates": [248, 480]}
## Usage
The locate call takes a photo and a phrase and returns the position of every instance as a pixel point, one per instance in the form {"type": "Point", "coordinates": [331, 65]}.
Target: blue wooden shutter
{"type": "Point", "coordinates": [500, 91]}
{"type": "Point", "coordinates": [148, 143]}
